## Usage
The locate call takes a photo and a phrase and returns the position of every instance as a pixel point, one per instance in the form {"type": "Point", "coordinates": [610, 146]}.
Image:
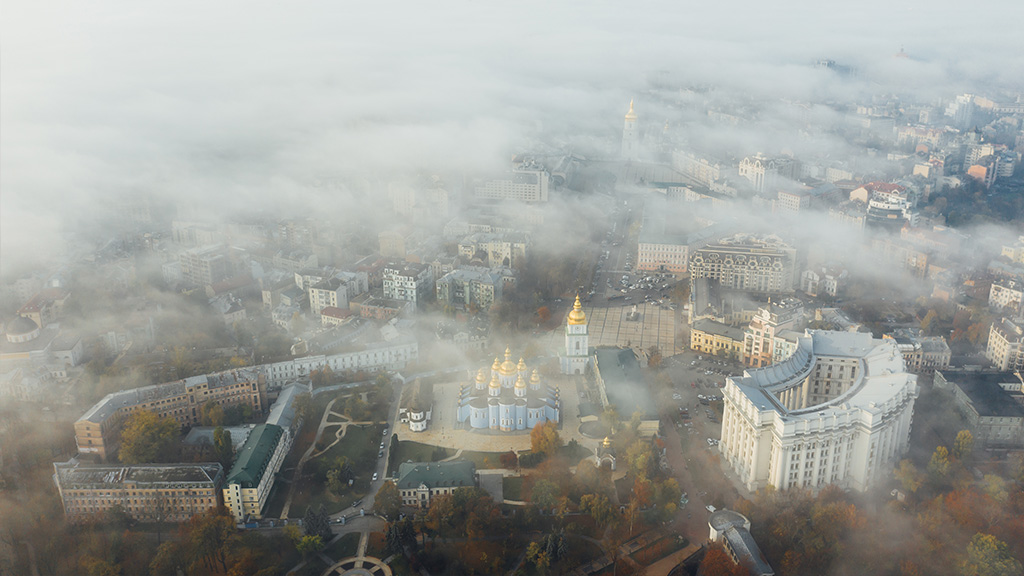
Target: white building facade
{"type": "Point", "coordinates": [838, 411]}
{"type": "Point", "coordinates": [576, 356]}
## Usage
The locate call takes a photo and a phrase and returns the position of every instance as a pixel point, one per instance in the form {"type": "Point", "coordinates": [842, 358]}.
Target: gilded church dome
{"type": "Point", "coordinates": [481, 377]}
{"type": "Point", "coordinates": [577, 316]}
{"type": "Point", "coordinates": [508, 367]}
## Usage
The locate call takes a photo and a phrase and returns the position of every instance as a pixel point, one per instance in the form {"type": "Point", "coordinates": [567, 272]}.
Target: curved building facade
{"type": "Point", "coordinates": [837, 411]}
{"type": "Point", "coordinates": [507, 398]}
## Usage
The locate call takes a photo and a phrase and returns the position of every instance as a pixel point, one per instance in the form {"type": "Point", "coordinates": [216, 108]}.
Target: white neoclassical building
{"type": "Point", "coordinates": [838, 411]}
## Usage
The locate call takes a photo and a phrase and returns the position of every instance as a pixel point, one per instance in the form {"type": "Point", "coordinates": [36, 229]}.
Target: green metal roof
{"type": "Point", "coordinates": [253, 459]}
{"type": "Point", "coordinates": [459, 473]}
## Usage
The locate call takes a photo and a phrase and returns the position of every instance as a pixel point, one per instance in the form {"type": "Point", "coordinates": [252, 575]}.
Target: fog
{"type": "Point", "coordinates": [243, 105]}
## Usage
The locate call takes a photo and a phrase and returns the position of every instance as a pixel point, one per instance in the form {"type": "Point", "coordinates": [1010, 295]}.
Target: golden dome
{"type": "Point", "coordinates": [535, 377]}
{"type": "Point", "coordinates": [520, 382]}
{"type": "Point", "coordinates": [508, 367]}
{"type": "Point", "coordinates": [607, 442]}
{"type": "Point", "coordinates": [494, 382]}
{"type": "Point", "coordinates": [577, 317]}
{"type": "Point", "coordinates": [631, 115]}
{"type": "Point", "coordinates": [481, 377]}
{"type": "Point", "coordinates": [522, 365]}
{"type": "Point", "coordinates": [496, 364]}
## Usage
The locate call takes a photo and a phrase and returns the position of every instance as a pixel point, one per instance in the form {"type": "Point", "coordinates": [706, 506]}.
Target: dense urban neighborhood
{"type": "Point", "coordinates": [679, 327]}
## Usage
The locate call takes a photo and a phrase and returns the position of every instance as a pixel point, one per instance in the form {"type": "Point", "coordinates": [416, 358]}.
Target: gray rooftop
{"type": "Point", "coordinates": [72, 474]}
{"type": "Point", "coordinates": [986, 395]}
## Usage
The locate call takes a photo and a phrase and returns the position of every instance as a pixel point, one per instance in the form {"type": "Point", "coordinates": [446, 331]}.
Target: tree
{"type": "Point", "coordinates": [599, 508]}
{"type": "Point", "coordinates": [147, 438]}
{"type": "Point", "coordinates": [545, 494]}
{"type": "Point", "coordinates": [399, 535]}
{"type": "Point", "coordinates": [544, 438]}
{"type": "Point", "coordinates": [223, 449]}
{"type": "Point", "coordinates": [654, 357]}
{"type": "Point", "coordinates": [309, 545]}
{"type": "Point", "coordinates": [988, 556]}
{"type": "Point", "coordinates": [509, 460]}
{"type": "Point", "coordinates": [938, 467]}
{"type": "Point", "coordinates": [928, 322]}
{"type": "Point", "coordinates": [388, 501]}
{"type": "Point", "coordinates": [303, 404]}
{"type": "Point", "coordinates": [212, 414]}
{"type": "Point", "coordinates": [716, 562]}
{"type": "Point", "coordinates": [317, 523]}
{"type": "Point", "coordinates": [909, 477]}
{"type": "Point", "coordinates": [963, 445]}
{"type": "Point", "coordinates": [339, 475]}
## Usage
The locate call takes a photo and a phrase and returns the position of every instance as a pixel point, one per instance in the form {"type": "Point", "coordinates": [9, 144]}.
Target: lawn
{"type": "Point", "coordinates": [512, 487]}
{"type": "Point", "coordinates": [407, 450]}
{"type": "Point", "coordinates": [483, 460]}
{"type": "Point", "coordinates": [343, 547]}
{"type": "Point", "coordinates": [359, 444]}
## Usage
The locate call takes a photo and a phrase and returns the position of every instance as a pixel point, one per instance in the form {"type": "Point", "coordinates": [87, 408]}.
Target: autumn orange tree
{"type": "Point", "coordinates": [544, 438]}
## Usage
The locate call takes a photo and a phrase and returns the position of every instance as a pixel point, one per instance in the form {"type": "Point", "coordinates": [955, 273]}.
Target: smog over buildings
{"type": "Point", "coordinates": [531, 288]}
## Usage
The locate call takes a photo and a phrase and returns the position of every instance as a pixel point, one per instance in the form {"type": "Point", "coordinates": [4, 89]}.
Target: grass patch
{"type": "Point", "coordinates": [375, 545]}
{"type": "Point", "coordinates": [359, 444]}
{"type": "Point", "coordinates": [483, 460]}
{"type": "Point", "coordinates": [343, 547]}
{"type": "Point", "coordinates": [512, 487]}
{"type": "Point", "coordinates": [407, 450]}
{"type": "Point", "coordinates": [573, 454]}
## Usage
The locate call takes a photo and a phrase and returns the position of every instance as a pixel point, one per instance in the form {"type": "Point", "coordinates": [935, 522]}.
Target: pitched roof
{"type": "Point", "coordinates": [436, 475]}
{"type": "Point", "coordinates": [255, 456]}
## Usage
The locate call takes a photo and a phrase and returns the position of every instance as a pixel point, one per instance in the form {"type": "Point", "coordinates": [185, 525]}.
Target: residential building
{"type": "Point", "coordinates": [378, 308]}
{"type": "Point", "coordinates": [1006, 345]}
{"type": "Point", "coordinates": [838, 411]}
{"type": "Point", "coordinates": [732, 529]}
{"type": "Point", "coordinates": [45, 307]}
{"type": "Point", "coordinates": [764, 173]}
{"type": "Point", "coordinates": [717, 339]}
{"type": "Point", "coordinates": [760, 335]}
{"type": "Point", "coordinates": [921, 354]}
{"type": "Point", "coordinates": [407, 281]}
{"type": "Point", "coordinates": [752, 264]}
{"type": "Point", "coordinates": [98, 430]}
{"type": "Point", "coordinates": [527, 182]}
{"type": "Point", "coordinates": [823, 281]}
{"type": "Point", "coordinates": [419, 482]}
{"type": "Point", "coordinates": [902, 254]}
{"type": "Point", "coordinates": [251, 478]}
{"type": "Point", "coordinates": [336, 291]}
{"type": "Point", "coordinates": [145, 492]}
{"type": "Point", "coordinates": [506, 250]}
{"type": "Point", "coordinates": [205, 265]}
{"type": "Point", "coordinates": [1008, 296]}
{"type": "Point", "coordinates": [473, 286]}
{"type": "Point", "coordinates": [991, 402]}
{"type": "Point", "coordinates": [510, 399]}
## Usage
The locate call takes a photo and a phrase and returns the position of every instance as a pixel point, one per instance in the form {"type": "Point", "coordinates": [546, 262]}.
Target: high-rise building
{"type": "Point", "coordinates": [630, 136]}
{"type": "Point", "coordinates": [1006, 345]}
{"type": "Point", "coordinates": [837, 411]}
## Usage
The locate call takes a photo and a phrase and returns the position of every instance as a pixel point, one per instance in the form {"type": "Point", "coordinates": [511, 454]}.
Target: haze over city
{"type": "Point", "coordinates": [460, 288]}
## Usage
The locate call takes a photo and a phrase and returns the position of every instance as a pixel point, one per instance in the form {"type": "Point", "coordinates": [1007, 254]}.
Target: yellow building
{"type": "Point", "coordinates": [249, 482]}
{"type": "Point", "coordinates": [98, 430]}
{"type": "Point", "coordinates": [717, 339]}
{"type": "Point", "coordinates": [148, 492]}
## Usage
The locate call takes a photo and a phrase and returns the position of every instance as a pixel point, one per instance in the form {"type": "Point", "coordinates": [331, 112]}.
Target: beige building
{"type": "Point", "coordinates": [419, 482]}
{"type": "Point", "coordinates": [407, 281]}
{"type": "Point", "coordinates": [248, 484]}
{"type": "Point", "coordinates": [761, 335]}
{"type": "Point", "coordinates": [922, 354]}
{"type": "Point", "coordinates": [837, 411]}
{"type": "Point", "coordinates": [752, 264]}
{"type": "Point", "coordinates": [146, 492]}
{"type": "Point", "coordinates": [98, 430]}
{"type": "Point", "coordinates": [528, 182]}
{"type": "Point", "coordinates": [1006, 345]}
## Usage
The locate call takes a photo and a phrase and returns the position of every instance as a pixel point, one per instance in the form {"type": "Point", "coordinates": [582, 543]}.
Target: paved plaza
{"type": "Point", "coordinates": [612, 326]}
